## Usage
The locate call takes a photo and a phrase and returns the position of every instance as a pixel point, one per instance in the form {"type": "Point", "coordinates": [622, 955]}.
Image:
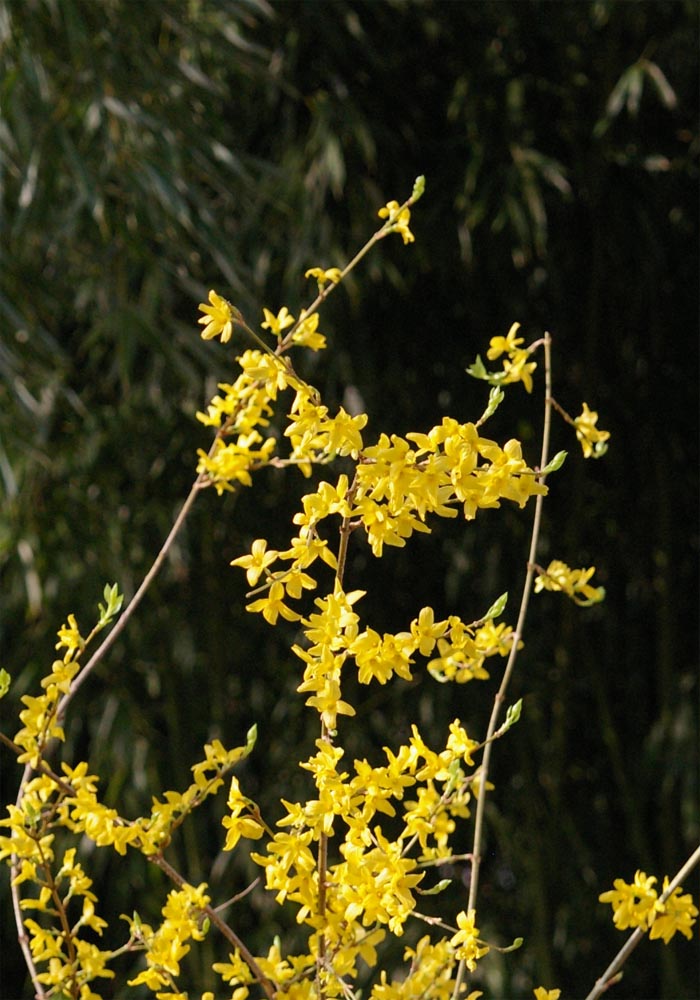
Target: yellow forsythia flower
{"type": "Point", "coordinates": [217, 318]}
{"type": "Point", "coordinates": [573, 582]}
{"type": "Point", "coordinates": [257, 562]}
{"type": "Point", "coordinates": [637, 905]}
{"type": "Point", "coordinates": [399, 220]}
{"type": "Point", "coordinates": [592, 440]}
{"type": "Point", "coordinates": [542, 994]}
{"type": "Point", "coordinates": [504, 345]}
{"type": "Point", "coordinates": [276, 324]}
{"type": "Point", "coordinates": [678, 913]}
{"type": "Point", "coordinates": [322, 276]}
{"type": "Point", "coordinates": [516, 367]}
{"type": "Point", "coordinates": [466, 940]}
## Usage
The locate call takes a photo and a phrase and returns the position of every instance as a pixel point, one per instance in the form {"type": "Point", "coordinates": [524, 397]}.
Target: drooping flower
{"type": "Point", "coordinates": [323, 276]}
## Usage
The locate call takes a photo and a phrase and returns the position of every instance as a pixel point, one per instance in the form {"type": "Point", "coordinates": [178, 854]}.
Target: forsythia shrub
{"type": "Point", "coordinates": [352, 883]}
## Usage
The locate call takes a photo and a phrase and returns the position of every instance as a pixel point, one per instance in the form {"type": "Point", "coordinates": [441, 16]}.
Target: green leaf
{"type": "Point", "coordinates": [477, 369]}
{"type": "Point", "coordinates": [251, 737]}
{"type": "Point", "coordinates": [114, 601]}
{"type": "Point", "coordinates": [555, 464]}
{"type": "Point", "coordinates": [518, 943]}
{"type": "Point", "coordinates": [496, 397]}
{"type": "Point", "coordinates": [440, 887]}
{"type": "Point", "coordinates": [513, 714]}
{"type": "Point", "coordinates": [587, 602]}
{"type": "Point", "coordinates": [497, 608]}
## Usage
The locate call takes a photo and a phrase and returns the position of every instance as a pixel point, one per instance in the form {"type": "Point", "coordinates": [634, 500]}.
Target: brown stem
{"type": "Point", "coordinates": [221, 925]}
{"type": "Point", "coordinates": [610, 974]}
{"type": "Point", "coordinates": [517, 636]}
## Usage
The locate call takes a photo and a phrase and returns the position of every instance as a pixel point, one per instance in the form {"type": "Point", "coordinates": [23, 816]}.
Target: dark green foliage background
{"type": "Point", "coordinates": [153, 150]}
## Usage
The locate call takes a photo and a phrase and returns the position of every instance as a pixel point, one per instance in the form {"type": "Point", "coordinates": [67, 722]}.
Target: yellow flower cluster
{"type": "Point", "coordinates": [353, 857]}
{"type": "Point", "coordinates": [244, 407]}
{"type": "Point", "coordinates": [72, 963]}
{"type": "Point", "coordinates": [334, 635]}
{"type": "Point", "coordinates": [69, 801]}
{"type": "Point", "coordinates": [572, 582]}
{"type": "Point", "coordinates": [516, 365]}
{"type": "Point", "coordinates": [39, 717]}
{"type": "Point", "coordinates": [637, 904]}
{"type": "Point", "coordinates": [372, 886]}
{"type": "Point", "coordinates": [397, 483]}
{"type": "Point", "coordinates": [167, 946]}
{"type": "Point", "coordinates": [430, 974]}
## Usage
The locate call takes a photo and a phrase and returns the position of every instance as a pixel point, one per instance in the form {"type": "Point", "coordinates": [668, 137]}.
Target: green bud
{"type": "Point", "coordinates": [418, 188]}
{"type": "Point", "coordinates": [497, 608]}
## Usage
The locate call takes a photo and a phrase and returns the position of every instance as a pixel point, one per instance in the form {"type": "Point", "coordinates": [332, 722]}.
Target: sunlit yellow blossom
{"type": "Point", "coordinates": [677, 913]}
{"type": "Point", "coordinates": [307, 334]}
{"type": "Point", "coordinates": [426, 631]}
{"type": "Point", "coordinates": [542, 994]}
{"type": "Point", "coordinates": [466, 940]}
{"type": "Point", "coordinates": [232, 462]}
{"type": "Point", "coordinates": [504, 345]}
{"type": "Point", "coordinates": [272, 605]}
{"type": "Point", "coordinates": [276, 324]}
{"type": "Point", "coordinates": [218, 318]}
{"type": "Point", "coordinates": [460, 744]}
{"type": "Point", "coordinates": [322, 276]}
{"type": "Point", "coordinates": [633, 904]}
{"type": "Point", "coordinates": [315, 436]}
{"type": "Point", "coordinates": [257, 562]}
{"type": "Point", "coordinates": [239, 825]}
{"type": "Point", "coordinates": [168, 945]}
{"type": "Point", "coordinates": [593, 441]}
{"type": "Point", "coordinates": [69, 637]}
{"type": "Point", "coordinates": [399, 219]}
{"type": "Point", "coordinates": [637, 905]}
{"type": "Point", "coordinates": [519, 368]}
{"type": "Point", "coordinates": [573, 582]}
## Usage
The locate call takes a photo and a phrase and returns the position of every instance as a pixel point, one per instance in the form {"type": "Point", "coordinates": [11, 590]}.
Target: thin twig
{"type": "Point", "coordinates": [517, 636]}
{"type": "Point", "coordinates": [610, 974]}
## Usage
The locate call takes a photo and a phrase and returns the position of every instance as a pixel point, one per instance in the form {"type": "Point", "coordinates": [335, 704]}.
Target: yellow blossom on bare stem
{"type": "Point", "coordinates": [637, 904]}
{"type": "Point", "coordinates": [322, 276]}
{"type": "Point", "coordinates": [398, 220]}
{"type": "Point", "coordinates": [218, 318]}
{"type": "Point", "coordinates": [593, 441]}
{"type": "Point", "coordinates": [277, 323]}
{"type": "Point", "coordinates": [572, 582]}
